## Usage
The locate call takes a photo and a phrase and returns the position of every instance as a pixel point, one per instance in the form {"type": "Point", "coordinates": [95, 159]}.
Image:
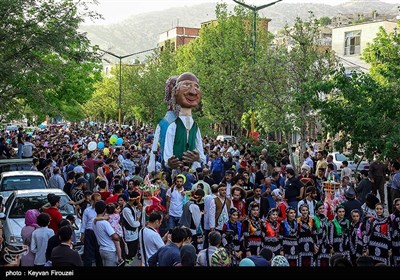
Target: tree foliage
{"type": "Point", "coordinates": [361, 111]}
{"type": "Point", "coordinates": [287, 78]}
{"type": "Point", "coordinates": [363, 108]}
{"type": "Point", "coordinates": [44, 61]}
{"type": "Point", "coordinates": [383, 54]}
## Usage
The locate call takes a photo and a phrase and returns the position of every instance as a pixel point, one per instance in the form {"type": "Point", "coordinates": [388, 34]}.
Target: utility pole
{"type": "Point", "coordinates": [254, 9]}
{"type": "Point", "coordinates": [120, 78]}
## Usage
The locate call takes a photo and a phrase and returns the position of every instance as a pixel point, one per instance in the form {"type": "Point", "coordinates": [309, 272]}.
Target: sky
{"type": "Point", "coordinates": [117, 10]}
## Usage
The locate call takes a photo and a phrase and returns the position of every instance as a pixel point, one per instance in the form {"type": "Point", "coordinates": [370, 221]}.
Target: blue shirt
{"type": "Point", "coordinates": [168, 255]}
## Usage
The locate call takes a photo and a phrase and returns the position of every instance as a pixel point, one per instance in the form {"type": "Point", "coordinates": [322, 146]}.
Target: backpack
{"type": "Point", "coordinates": [220, 258]}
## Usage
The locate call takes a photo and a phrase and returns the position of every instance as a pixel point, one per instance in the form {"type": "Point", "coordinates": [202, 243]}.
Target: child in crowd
{"type": "Point", "coordinates": [113, 216]}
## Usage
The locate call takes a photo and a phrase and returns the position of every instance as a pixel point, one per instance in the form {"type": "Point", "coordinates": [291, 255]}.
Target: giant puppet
{"type": "Point", "coordinates": [183, 142]}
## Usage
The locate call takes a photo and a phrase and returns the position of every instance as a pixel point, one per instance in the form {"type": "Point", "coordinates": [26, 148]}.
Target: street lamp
{"type": "Point", "coordinates": [255, 9]}
{"type": "Point", "coordinates": [120, 77]}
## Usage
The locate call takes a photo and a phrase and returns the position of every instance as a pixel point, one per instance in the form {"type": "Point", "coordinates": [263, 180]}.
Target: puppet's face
{"type": "Point", "coordinates": [188, 94]}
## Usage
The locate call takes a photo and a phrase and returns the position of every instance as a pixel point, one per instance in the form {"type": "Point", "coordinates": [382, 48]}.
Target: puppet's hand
{"type": "Point", "coordinates": [174, 162]}
{"type": "Point", "coordinates": [191, 156]}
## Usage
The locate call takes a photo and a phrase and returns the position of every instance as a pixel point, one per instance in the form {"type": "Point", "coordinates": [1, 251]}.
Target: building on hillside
{"type": "Point", "coordinates": [348, 42]}
{"type": "Point", "coordinates": [177, 36]}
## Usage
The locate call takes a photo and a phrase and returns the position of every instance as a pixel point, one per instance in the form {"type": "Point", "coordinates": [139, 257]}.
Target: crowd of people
{"type": "Point", "coordinates": [237, 209]}
{"type": "Point", "coordinates": [171, 197]}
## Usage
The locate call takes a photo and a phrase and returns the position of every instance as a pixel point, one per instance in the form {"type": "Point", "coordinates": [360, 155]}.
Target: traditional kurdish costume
{"type": "Point", "coordinates": [356, 232]}
{"type": "Point", "coordinates": [231, 235]}
{"type": "Point", "coordinates": [321, 232]}
{"type": "Point", "coordinates": [339, 236]}
{"type": "Point", "coordinates": [289, 231]}
{"type": "Point", "coordinates": [395, 236]}
{"type": "Point", "coordinates": [378, 238]}
{"type": "Point", "coordinates": [307, 239]}
{"type": "Point", "coordinates": [252, 237]}
{"type": "Point", "coordinates": [270, 233]}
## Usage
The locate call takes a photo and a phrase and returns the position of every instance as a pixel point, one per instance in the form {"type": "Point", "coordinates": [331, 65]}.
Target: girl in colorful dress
{"type": "Point", "coordinates": [307, 237]}
{"type": "Point", "coordinates": [378, 236]}
{"type": "Point", "coordinates": [270, 232]}
{"type": "Point", "coordinates": [322, 232]}
{"type": "Point", "coordinates": [356, 231]}
{"type": "Point", "coordinates": [395, 232]}
{"type": "Point", "coordinates": [289, 231]}
{"type": "Point", "coordinates": [231, 236]}
{"type": "Point", "coordinates": [339, 233]}
{"type": "Point", "coordinates": [252, 237]}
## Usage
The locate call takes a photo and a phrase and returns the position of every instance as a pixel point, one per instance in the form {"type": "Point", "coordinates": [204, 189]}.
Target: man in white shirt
{"type": "Point", "coordinates": [174, 205]}
{"type": "Point", "coordinates": [27, 148]}
{"type": "Point", "coordinates": [149, 238]}
{"type": "Point", "coordinates": [105, 236]}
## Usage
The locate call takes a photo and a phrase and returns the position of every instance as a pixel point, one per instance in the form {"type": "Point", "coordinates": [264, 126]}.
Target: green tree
{"type": "Point", "coordinates": [222, 59]}
{"type": "Point", "coordinates": [289, 71]}
{"type": "Point", "coordinates": [44, 61]}
{"type": "Point", "coordinates": [324, 21]}
{"type": "Point", "coordinates": [383, 54]}
{"type": "Point", "coordinates": [362, 111]}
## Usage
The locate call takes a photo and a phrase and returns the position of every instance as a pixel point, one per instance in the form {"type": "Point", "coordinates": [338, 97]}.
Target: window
{"type": "Point", "coordinates": [22, 183]}
{"type": "Point", "coordinates": [23, 204]}
{"type": "Point", "coordinates": [352, 42]}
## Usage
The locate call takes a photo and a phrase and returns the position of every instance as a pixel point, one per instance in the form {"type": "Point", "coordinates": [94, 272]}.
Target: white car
{"type": "Point", "coordinates": [228, 138]}
{"type": "Point", "coordinates": [338, 159]}
{"type": "Point", "coordinates": [21, 180]}
{"type": "Point", "coordinates": [20, 201]}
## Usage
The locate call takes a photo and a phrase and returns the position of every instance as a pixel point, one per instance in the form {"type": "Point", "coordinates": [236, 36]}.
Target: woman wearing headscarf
{"type": "Point", "coordinates": [289, 231]}
{"type": "Point", "coordinates": [102, 175]}
{"type": "Point", "coordinates": [231, 236]}
{"type": "Point", "coordinates": [321, 232]}
{"type": "Point", "coordinates": [26, 234]}
{"type": "Point", "coordinates": [378, 236]}
{"type": "Point", "coordinates": [270, 232]}
{"type": "Point", "coordinates": [339, 233]}
{"type": "Point", "coordinates": [252, 236]}
{"type": "Point", "coordinates": [356, 232]}
{"type": "Point", "coordinates": [281, 204]}
{"type": "Point", "coordinates": [395, 232]}
{"type": "Point", "coordinates": [307, 237]}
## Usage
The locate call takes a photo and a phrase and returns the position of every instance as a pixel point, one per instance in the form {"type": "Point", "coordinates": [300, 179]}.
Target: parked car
{"type": "Point", "coordinates": [21, 180]}
{"type": "Point", "coordinates": [15, 164]}
{"type": "Point", "coordinates": [13, 216]}
{"type": "Point", "coordinates": [228, 138]}
{"type": "Point", "coordinates": [338, 159]}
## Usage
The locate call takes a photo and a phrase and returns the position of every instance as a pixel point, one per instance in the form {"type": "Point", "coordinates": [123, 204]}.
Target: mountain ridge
{"type": "Point", "coordinates": [141, 32]}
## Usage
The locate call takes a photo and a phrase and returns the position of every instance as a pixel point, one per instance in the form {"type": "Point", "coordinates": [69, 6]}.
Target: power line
{"type": "Point", "coordinates": [350, 62]}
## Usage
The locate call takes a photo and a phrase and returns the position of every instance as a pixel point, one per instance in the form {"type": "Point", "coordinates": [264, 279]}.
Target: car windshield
{"type": "Point", "coordinates": [15, 167]}
{"type": "Point", "coordinates": [341, 157]}
{"type": "Point", "coordinates": [23, 204]}
{"type": "Point", "coordinates": [25, 182]}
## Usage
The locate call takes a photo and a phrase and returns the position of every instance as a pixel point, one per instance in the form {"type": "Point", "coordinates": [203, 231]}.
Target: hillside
{"type": "Point", "coordinates": [141, 32]}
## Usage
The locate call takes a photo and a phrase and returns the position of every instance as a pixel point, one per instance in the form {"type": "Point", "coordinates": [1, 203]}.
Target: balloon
{"type": "Point", "coordinates": [92, 146]}
{"type": "Point", "coordinates": [106, 151]}
{"type": "Point", "coordinates": [100, 145]}
{"type": "Point", "coordinates": [113, 140]}
{"type": "Point", "coordinates": [115, 136]}
{"type": "Point", "coordinates": [119, 141]}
